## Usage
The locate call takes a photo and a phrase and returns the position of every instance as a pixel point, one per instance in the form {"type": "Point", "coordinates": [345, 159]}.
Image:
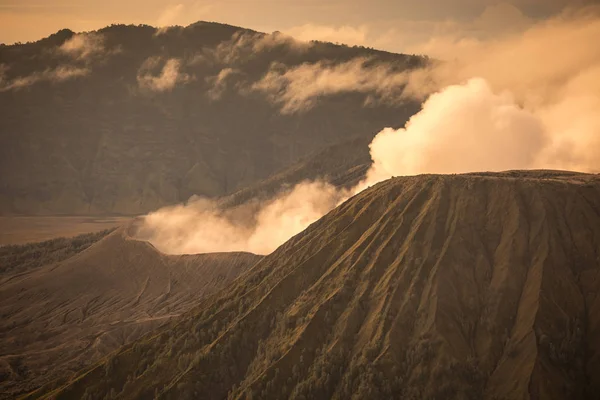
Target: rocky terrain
{"type": "Point", "coordinates": [475, 286]}
{"type": "Point", "coordinates": [81, 305]}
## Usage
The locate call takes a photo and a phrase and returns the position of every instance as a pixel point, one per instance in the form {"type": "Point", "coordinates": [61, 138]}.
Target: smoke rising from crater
{"type": "Point", "coordinates": [202, 226]}
{"type": "Point", "coordinates": [525, 101]}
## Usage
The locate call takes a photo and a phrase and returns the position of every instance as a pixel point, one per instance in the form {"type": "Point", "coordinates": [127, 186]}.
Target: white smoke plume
{"type": "Point", "coordinates": [230, 56]}
{"type": "Point", "coordinates": [81, 49]}
{"type": "Point", "coordinates": [297, 89]}
{"type": "Point", "coordinates": [526, 101]}
{"type": "Point", "coordinates": [83, 45]}
{"type": "Point", "coordinates": [536, 65]}
{"type": "Point", "coordinates": [55, 75]}
{"type": "Point", "coordinates": [243, 46]}
{"type": "Point", "coordinates": [529, 101]}
{"type": "Point", "coordinates": [166, 79]}
{"type": "Point", "coordinates": [218, 83]}
{"type": "Point", "coordinates": [457, 131]}
{"type": "Point", "coordinates": [202, 226]}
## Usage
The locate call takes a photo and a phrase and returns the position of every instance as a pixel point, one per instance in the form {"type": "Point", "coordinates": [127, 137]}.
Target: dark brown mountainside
{"type": "Point", "coordinates": [16, 259]}
{"type": "Point", "coordinates": [61, 317]}
{"type": "Point", "coordinates": [430, 287]}
{"type": "Point", "coordinates": [129, 118]}
{"type": "Point", "coordinates": [343, 165]}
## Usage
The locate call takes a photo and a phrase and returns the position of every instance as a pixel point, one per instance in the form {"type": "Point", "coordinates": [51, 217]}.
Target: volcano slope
{"type": "Point", "coordinates": [468, 287]}
{"type": "Point", "coordinates": [59, 318]}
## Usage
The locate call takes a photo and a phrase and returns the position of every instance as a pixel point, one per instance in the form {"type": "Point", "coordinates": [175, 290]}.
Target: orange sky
{"type": "Point", "coordinates": [396, 25]}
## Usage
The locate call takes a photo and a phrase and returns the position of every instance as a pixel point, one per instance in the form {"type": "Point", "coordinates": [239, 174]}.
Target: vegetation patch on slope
{"type": "Point", "coordinates": [20, 258]}
{"type": "Point", "coordinates": [476, 286]}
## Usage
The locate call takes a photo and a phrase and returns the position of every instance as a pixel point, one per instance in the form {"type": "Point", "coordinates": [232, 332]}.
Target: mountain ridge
{"type": "Point", "coordinates": [124, 120]}
{"type": "Point", "coordinates": [459, 286]}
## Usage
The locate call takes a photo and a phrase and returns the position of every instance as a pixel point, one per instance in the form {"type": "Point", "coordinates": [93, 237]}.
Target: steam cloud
{"type": "Point", "coordinates": [81, 50]}
{"type": "Point", "coordinates": [242, 46]}
{"type": "Point", "coordinates": [56, 75]}
{"type": "Point", "coordinates": [456, 131]}
{"type": "Point", "coordinates": [218, 83]}
{"type": "Point", "coordinates": [202, 226]}
{"type": "Point", "coordinates": [83, 45]}
{"type": "Point", "coordinates": [168, 77]}
{"type": "Point", "coordinates": [523, 102]}
{"type": "Point", "coordinates": [297, 89]}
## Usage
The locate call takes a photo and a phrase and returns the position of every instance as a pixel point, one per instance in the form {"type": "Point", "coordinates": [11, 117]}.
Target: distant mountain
{"type": "Point", "coordinates": [343, 165]}
{"type": "Point", "coordinates": [476, 286]}
{"type": "Point", "coordinates": [59, 318]}
{"type": "Point", "coordinates": [130, 118]}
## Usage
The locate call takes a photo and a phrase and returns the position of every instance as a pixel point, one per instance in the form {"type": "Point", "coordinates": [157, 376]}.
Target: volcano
{"type": "Point", "coordinates": [471, 286]}
{"type": "Point", "coordinates": [60, 317]}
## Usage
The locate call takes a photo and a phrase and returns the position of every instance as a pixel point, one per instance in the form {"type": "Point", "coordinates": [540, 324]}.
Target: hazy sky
{"type": "Point", "coordinates": [397, 25]}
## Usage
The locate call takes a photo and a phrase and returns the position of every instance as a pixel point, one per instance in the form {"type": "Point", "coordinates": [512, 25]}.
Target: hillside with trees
{"type": "Point", "coordinates": [93, 294]}
{"type": "Point", "coordinates": [127, 119]}
{"type": "Point", "coordinates": [475, 286]}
